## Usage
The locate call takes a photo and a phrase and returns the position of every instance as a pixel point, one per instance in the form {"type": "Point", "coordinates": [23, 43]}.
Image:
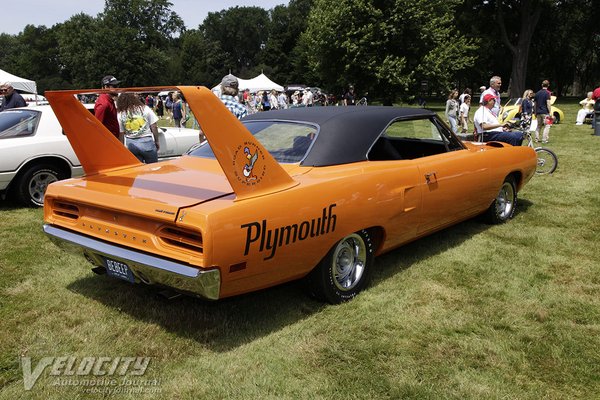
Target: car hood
{"type": "Point", "coordinates": [156, 190]}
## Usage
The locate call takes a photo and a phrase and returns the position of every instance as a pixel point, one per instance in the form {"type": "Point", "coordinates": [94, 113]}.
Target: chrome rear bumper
{"type": "Point", "coordinates": [146, 268]}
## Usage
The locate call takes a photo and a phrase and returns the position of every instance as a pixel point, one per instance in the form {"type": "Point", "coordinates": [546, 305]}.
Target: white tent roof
{"type": "Point", "coordinates": [18, 83]}
{"type": "Point", "coordinates": [261, 82]}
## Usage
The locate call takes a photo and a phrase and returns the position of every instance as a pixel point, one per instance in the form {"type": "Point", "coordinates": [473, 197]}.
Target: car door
{"type": "Point", "coordinates": [167, 143]}
{"type": "Point", "coordinates": [452, 178]}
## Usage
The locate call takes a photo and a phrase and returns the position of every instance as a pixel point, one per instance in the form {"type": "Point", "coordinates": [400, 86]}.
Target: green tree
{"type": "Point", "coordinates": [201, 60]}
{"type": "Point", "coordinates": [10, 48]}
{"type": "Point", "coordinates": [285, 56]}
{"type": "Point", "coordinates": [524, 20]}
{"type": "Point", "coordinates": [131, 39]}
{"type": "Point", "coordinates": [568, 47]}
{"type": "Point", "coordinates": [78, 53]}
{"type": "Point", "coordinates": [387, 46]}
{"type": "Point", "coordinates": [239, 35]}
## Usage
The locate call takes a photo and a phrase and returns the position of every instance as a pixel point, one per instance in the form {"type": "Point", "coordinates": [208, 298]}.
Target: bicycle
{"type": "Point", "coordinates": [362, 102]}
{"type": "Point", "coordinates": [547, 161]}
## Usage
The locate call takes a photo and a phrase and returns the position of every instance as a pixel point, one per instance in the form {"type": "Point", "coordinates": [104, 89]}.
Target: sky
{"type": "Point", "coordinates": [16, 15]}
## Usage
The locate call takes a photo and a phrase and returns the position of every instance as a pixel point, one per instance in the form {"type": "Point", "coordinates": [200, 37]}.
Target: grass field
{"type": "Point", "coordinates": [472, 312]}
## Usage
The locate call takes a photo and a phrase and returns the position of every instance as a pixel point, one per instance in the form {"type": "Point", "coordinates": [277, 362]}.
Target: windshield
{"type": "Point", "coordinates": [21, 122]}
{"type": "Point", "coordinates": [288, 142]}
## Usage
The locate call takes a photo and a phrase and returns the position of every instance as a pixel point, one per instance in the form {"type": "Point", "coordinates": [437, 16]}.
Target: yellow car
{"type": "Point", "coordinates": [512, 110]}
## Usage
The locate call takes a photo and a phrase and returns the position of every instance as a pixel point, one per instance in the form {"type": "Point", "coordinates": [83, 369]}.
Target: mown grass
{"type": "Point", "coordinates": [472, 312]}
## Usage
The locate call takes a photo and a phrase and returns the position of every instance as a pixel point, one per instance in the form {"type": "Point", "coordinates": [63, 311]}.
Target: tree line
{"type": "Point", "coordinates": [393, 49]}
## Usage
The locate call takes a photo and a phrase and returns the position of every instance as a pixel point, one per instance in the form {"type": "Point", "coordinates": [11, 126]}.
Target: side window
{"type": "Point", "coordinates": [410, 139]}
{"type": "Point", "coordinates": [414, 129]}
{"type": "Point", "coordinates": [18, 122]}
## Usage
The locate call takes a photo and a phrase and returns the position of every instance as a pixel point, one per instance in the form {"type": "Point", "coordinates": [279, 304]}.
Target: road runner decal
{"type": "Point", "coordinates": [271, 239]}
{"type": "Point", "coordinates": [248, 162]}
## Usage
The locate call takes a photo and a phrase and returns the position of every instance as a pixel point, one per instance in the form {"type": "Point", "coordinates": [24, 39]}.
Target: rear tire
{"type": "Point", "coordinates": [32, 183]}
{"type": "Point", "coordinates": [547, 161]}
{"type": "Point", "coordinates": [345, 270]}
{"type": "Point", "coordinates": [503, 207]}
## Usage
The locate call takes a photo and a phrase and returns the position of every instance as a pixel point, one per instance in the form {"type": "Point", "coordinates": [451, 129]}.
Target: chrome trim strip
{"type": "Point", "coordinates": [146, 268]}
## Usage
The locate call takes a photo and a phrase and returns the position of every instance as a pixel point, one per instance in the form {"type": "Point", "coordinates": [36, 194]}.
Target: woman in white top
{"type": "Point", "coordinates": [137, 124]}
{"type": "Point", "coordinates": [464, 113]}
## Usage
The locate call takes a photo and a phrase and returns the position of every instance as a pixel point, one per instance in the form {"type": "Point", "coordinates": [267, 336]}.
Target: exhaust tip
{"type": "Point", "coordinates": [99, 270]}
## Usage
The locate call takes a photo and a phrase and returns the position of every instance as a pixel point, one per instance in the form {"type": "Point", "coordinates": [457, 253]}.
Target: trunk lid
{"type": "Point", "coordinates": [156, 190]}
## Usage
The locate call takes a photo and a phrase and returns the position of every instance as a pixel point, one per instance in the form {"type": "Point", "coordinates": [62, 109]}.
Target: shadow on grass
{"type": "Point", "coordinates": [9, 204]}
{"type": "Point", "coordinates": [229, 323]}
{"type": "Point", "coordinates": [221, 325]}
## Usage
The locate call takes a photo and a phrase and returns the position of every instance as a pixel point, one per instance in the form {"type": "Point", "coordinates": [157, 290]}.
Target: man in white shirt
{"type": "Point", "coordinates": [307, 99]}
{"type": "Point", "coordinates": [487, 125]}
{"type": "Point", "coordinates": [494, 89]}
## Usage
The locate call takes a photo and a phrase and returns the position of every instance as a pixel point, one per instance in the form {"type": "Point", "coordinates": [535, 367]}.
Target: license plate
{"type": "Point", "coordinates": [119, 270]}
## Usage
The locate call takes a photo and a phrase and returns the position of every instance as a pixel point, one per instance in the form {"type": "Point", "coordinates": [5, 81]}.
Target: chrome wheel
{"type": "Point", "coordinates": [505, 201]}
{"type": "Point", "coordinates": [32, 182]}
{"type": "Point", "coordinates": [349, 261]}
{"type": "Point", "coordinates": [38, 184]}
{"type": "Point", "coordinates": [345, 270]}
{"type": "Point", "coordinates": [503, 207]}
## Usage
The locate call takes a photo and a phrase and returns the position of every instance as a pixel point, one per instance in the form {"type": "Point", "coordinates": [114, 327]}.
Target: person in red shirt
{"type": "Point", "coordinates": [596, 118]}
{"type": "Point", "coordinates": [105, 109]}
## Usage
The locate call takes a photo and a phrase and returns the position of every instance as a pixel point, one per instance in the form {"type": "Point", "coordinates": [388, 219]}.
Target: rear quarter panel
{"type": "Point", "coordinates": [283, 236]}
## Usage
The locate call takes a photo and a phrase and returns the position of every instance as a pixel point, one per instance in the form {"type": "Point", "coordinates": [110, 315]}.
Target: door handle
{"type": "Point", "coordinates": [430, 177]}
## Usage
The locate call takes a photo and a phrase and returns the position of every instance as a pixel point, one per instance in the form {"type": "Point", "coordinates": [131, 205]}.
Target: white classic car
{"type": "Point", "coordinates": [35, 152]}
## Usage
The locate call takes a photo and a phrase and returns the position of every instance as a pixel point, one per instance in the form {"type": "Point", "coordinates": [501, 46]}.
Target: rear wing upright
{"type": "Point", "coordinates": [248, 166]}
{"type": "Point", "coordinates": [95, 146]}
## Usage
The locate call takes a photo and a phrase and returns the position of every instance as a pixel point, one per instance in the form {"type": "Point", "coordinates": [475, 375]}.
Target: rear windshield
{"type": "Point", "coordinates": [18, 122]}
{"type": "Point", "coordinates": [288, 142]}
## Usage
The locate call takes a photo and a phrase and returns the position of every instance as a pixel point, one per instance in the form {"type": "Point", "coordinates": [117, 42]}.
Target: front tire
{"type": "Point", "coordinates": [32, 183]}
{"type": "Point", "coordinates": [345, 270]}
{"type": "Point", "coordinates": [503, 207]}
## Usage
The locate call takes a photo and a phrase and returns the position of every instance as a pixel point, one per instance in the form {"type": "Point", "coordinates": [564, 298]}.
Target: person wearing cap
{"type": "Point", "coordinates": [350, 97]}
{"type": "Point", "coordinates": [105, 109]}
{"type": "Point", "coordinates": [489, 129]}
{"type": "Point", "coordinates": [229, 92]}
{"type": "Point", "coordinates": [494, 89]}
{"type": "Point", "coordinates": [12, 99]}
{"type": "Point", "coordinates": [295, 98]}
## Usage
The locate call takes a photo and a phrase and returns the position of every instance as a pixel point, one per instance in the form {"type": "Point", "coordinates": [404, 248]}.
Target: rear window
{"type": "Point", "coordinates": [288, 142]}
{"type": "Point", "coordinates": [18, 122]}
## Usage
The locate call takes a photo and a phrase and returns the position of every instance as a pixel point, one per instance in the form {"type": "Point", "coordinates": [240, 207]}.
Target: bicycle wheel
{"type": "Point", "coordinates": [547, 161]}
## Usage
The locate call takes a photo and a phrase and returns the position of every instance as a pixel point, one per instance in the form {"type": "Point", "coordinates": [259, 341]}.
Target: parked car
{"type": "Point", "coordinates": [512, 110]}
{"type": "Point", "coordinates": [35, 152]}
{"type": "Point", "coordinates": [310, 193]}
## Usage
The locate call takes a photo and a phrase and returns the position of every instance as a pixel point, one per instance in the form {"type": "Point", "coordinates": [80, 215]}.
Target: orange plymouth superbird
{"type": "Point", "coordinates": [312, 193]}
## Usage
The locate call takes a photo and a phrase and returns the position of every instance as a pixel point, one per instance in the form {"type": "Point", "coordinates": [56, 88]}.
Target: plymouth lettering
{"type": "Point", "coordinates": [269, 239]}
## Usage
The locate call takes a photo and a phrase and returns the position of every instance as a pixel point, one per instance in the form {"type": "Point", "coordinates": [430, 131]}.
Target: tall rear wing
{"type": "Point", "coordinates": [248, 166]}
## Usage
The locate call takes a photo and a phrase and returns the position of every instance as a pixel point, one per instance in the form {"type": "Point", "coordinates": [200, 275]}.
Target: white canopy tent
{"type": "Point", "coordinates": [260, 82]}
{"type": "Point", "coordinates": [22, 84]}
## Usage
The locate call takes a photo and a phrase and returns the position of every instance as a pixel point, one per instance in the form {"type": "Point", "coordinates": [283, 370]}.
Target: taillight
{"type": "Point", "coordinates": [181, 238]}
{"type": "Point", "coordinates": [65, 210]}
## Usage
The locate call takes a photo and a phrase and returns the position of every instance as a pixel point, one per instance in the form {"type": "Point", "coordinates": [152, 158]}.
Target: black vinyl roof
{"type": "Point", "coordinates": [345, 133]}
